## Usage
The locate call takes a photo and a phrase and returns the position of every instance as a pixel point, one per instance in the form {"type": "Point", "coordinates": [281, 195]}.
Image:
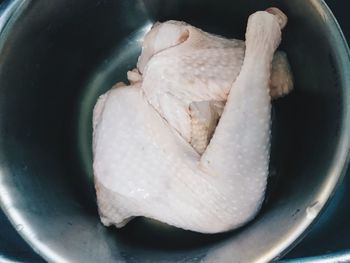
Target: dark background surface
{"type": "Point", "coordinates": [330, 234]}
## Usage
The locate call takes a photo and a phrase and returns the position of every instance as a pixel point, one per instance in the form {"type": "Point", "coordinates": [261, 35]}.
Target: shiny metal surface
{"type": "Point", "coordinates": [331, 234]}
{"type": "Point", "coordinates": [57, 56]}
{"type": "Point", "coordinates": [339, 257]}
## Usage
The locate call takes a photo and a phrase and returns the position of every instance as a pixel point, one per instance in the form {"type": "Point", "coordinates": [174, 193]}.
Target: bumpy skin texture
{"type": "Point", "coordinates": [188, 74]}
{"type": "Point", "coordinates": [147, 158]}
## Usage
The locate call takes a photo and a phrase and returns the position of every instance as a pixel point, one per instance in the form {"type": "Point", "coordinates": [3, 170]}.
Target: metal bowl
{"type": "Point", "coordinates": [56, 57]}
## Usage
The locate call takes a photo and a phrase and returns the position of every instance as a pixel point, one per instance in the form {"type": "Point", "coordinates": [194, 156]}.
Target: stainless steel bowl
{"type": "Point", "coordinates": [56, 57]}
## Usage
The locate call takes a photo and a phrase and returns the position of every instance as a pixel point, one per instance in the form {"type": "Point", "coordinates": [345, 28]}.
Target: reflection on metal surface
{"type": "Point", "coordinates": [340, 257]}
{"type": "Point", "coordinates": [7, 260]}
{"type": "Point", "coordinates": [6, 10]}
{"type": "Point", "coordinates": [24, 229]}
{"type": "Point", "coordinates": [321, 7]}
{"type": "Point", "coordinates": [57, 56]}
{"type": "Point", "coordinates": [313, 210]}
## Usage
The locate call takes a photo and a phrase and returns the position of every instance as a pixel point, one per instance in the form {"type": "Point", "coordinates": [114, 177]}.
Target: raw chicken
{"type": "Point", "coordinates": [188, 73]}
{"type": "Point", "coordinates": [150, 158]}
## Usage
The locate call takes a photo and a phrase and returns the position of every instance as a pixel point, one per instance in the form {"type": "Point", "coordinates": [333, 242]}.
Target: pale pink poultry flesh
{"type": "Point", "coordinates": [187, 143]}
{"type": "Point", "coordinates": [190, 75]}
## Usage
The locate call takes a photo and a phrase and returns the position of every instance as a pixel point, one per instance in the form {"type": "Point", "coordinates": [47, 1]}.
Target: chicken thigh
{"type": "Point", "coordinates": [148, 157]}
{"type": "Point", "coordinates": [188, 73]}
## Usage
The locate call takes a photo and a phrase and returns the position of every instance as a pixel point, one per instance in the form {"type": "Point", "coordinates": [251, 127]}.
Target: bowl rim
{"type": "Point", "coordinates": [11, 10]}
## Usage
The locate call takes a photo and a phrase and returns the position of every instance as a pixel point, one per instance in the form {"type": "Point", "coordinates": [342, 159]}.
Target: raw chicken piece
{"type": "Point", "coordinates": [188, 73]}
{"type": "Point", "coordinates": [144, 166]}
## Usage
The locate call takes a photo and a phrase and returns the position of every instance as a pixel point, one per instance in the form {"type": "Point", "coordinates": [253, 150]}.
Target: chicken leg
{"type": "Point", "coordinates": [187, 75]}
